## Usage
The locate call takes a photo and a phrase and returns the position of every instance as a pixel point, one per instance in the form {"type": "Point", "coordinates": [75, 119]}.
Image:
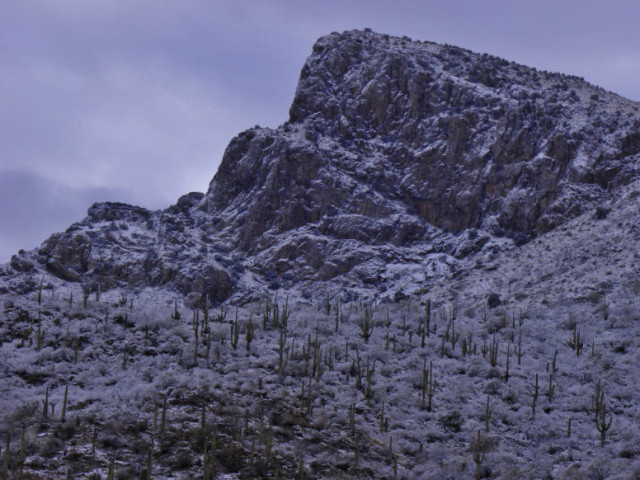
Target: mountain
{"type": "Point", "coordinates": [412, 183]}
{"type": "Point", "coordinates": [395, 152]}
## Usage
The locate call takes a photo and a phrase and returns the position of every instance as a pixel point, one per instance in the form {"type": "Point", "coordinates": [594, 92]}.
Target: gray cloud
{"type": "Point", "coordinates": [34, 207]}
{"type": "Point", "coordinates": [139, 99]}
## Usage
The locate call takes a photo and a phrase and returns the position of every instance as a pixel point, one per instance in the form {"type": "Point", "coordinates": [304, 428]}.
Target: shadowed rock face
{"type": "Point", "coordinates": [390, 144]}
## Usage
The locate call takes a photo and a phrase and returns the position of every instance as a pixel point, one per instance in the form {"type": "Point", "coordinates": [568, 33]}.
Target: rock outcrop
{"type": "Point", "coordinates": [382, 126]}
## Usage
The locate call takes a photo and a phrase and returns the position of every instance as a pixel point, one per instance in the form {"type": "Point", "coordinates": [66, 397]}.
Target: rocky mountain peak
{"type": "Point", "coordinates": [452, 138]}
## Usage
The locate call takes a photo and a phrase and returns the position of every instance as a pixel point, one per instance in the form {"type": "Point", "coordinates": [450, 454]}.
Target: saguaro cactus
{"type": "Point", "coordinates": [534, 397]}
{"type": "Point", "coordinates": [428, 385]}
{"type": "Point", "coordinates": [235, 332]}
{"type": "Point", "coordinates": [249, 334]}
{"type": "Point", "coordinates": [493, 352]}
{"type": "Point", "coordinates": [600, 410]}
{"type": "Point", "coordinates": [64, 404]}
{"type": "Point", "coordinates": [366, 325]}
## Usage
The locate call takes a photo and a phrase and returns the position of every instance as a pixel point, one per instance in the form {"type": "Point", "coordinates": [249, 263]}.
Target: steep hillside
{"type": "Point", "coordinates": [419, 388]}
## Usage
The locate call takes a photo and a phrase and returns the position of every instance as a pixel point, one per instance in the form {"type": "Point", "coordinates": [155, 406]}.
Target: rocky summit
{"type": "Point", "coordinates": [429, 271]}
{"type": "Point", "coordinates": [395, 151]}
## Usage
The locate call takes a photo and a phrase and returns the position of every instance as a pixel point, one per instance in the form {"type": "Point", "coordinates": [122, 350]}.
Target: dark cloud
{"type": "Point", "coordinates": [33, 207]}
{"type": "Point", "coordinates": [141, 98]}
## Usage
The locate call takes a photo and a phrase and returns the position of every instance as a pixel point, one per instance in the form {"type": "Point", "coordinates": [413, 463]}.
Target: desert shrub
{"type": "Point", "coordinates": [452, 421]}
{"type": "Point", "coordinates": [51, 447]}
{"type": "Point", "coordinates": [24, 412]}
{"type": "Point", "coordinates": [181, 460]}
{"type": "Point", "coordinates": [493, 300]}
{"type": "Point", "coordinates": [66, 431]}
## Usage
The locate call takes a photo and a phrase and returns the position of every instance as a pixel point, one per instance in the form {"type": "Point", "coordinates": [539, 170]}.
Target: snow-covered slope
{"type": "Point", "coordinates": [409, 174]}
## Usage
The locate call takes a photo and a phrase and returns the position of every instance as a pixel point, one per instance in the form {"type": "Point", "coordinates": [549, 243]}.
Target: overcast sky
{"type": "Point", "coordinates": [135, 101]}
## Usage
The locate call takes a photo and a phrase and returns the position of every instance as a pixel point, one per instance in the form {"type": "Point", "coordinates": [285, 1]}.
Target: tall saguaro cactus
{"type": "Point", "coordinates": [600, 411]}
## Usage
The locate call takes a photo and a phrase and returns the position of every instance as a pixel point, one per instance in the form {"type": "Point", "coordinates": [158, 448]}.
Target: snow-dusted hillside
{"type": "Point", "coordinates": [414, 184]}
{"type": "Point", "coordinates": [125, 353]}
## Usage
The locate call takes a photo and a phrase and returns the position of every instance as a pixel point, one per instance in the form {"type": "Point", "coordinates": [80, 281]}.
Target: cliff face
{"type": "Point", "coordinates": [396, 153]}
{"type": "Point", "coordinates": [455, 139]}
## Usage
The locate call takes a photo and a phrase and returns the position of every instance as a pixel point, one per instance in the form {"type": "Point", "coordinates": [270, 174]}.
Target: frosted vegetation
{"type": "Point", "coordinates": [283, 389]}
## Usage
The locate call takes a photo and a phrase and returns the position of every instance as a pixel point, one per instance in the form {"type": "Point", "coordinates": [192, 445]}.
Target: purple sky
{"type": "Point", "coordinates": [135, 101]}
